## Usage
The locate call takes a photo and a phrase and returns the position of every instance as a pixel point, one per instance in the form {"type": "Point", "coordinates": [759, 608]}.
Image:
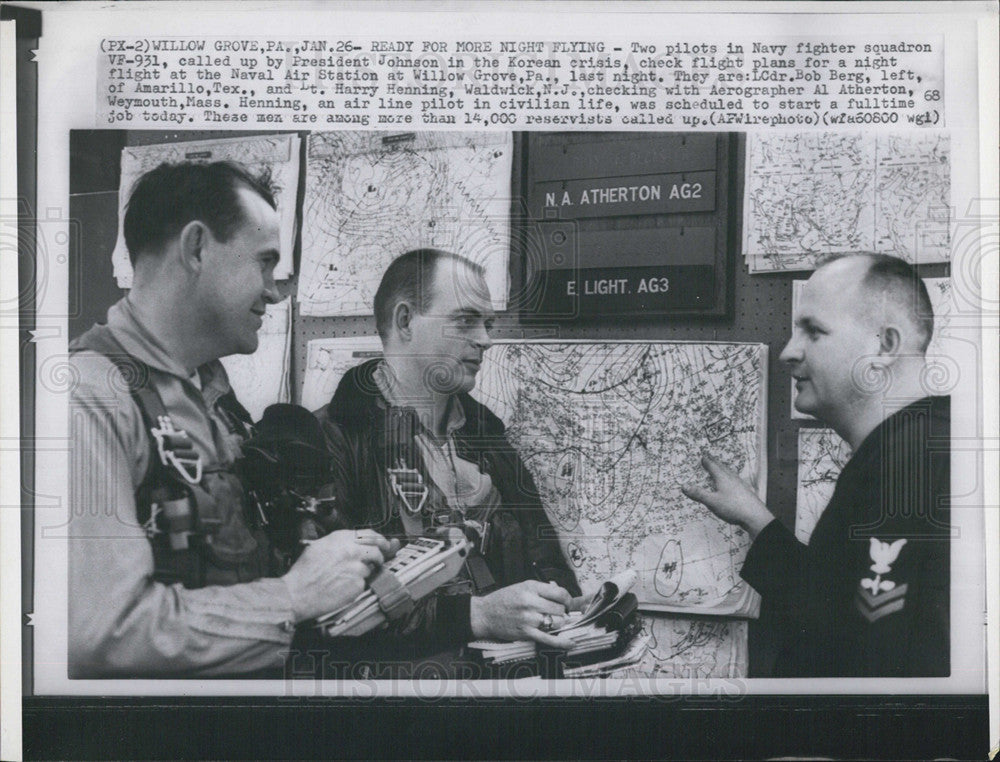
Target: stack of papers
{"type": "Point", "coordinates": [596, 628]}
{"type": "Point", "coordinates": [631, 656]}
{"type": "Point", "coordinates": [585, 639]}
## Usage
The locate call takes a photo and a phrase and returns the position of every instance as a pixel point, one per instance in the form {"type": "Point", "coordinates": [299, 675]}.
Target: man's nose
{"type": "Point", "coordinates": [272, 294]}
{"type": "Point", "coordinates": [483, 338]}
{"type": "Point", "coordinates": [792, 353]}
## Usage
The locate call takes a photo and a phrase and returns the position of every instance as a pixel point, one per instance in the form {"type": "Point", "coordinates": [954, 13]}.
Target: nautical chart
{"type": "Point", "coordinates": [275, 155]}
{"type": "Point", "coordinates": [822, 456]}
{"type": "Point", "coordinates": [610, 430]}
{"type": "Point", "coordinates": [370, 197]}
{"type": "Point", "coordinates": [327, 360]}
{"type": "Point", "coordinates": [261, 379]}
{"type": "Point", "coordinates": [940, 376]}
{"type": "Point", "coordinates": [810, 194]}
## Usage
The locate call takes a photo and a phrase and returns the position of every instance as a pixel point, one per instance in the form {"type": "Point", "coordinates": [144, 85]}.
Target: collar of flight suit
{"type": "Point", "coordinates": [142, 344]}
{"type": "Point", "coordinates": [386, 382]}
{"type": "Point", "coordinates": [358, 403]}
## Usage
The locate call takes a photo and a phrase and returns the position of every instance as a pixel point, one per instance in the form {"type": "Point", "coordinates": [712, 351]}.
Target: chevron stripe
{"type": "Point", "coordinates": [874, 607]}
{"type": "Point", "coordinates": [877, 614]}
{"type": "Point", "coordinates": [877, 601]}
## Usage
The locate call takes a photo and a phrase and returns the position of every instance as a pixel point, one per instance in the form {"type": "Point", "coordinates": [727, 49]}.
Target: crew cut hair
{"type": "Point", "coordinates": [891, 280]}
{"type": "Point", "coordinates": [410, 278]}
{"type": "Point", "coordinates": [167, 198]}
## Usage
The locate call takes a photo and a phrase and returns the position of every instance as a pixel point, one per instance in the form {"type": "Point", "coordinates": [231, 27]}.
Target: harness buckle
{"type": "Point", "coordinates": [408, 485]}
{"type": "Point", "coordinates": [149, 526]}
{"type": "Point", "coordinates": [176, 450]}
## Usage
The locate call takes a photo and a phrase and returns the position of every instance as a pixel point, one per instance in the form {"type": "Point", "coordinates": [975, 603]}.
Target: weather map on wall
{"type": "Point", "coordinates": [610, 430]}
{"type": "Point", "coordinates": [262, 378]}
{"type": "Point", "coordinates": [327, 360]}
{"type": "Point", "coordinates": [275, 157]}
{"type": "Point", "coordinates": [817, 193]}
{"type": "Point", "coordinates": [370, 197]}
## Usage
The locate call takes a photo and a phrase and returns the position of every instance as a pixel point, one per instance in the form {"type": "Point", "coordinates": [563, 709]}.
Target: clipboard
{"type": "Point", "coordinates": [419, 568]}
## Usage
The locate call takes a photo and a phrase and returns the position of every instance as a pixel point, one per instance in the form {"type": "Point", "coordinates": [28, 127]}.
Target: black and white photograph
{"type": "Point", "coordinates": [501, 375]}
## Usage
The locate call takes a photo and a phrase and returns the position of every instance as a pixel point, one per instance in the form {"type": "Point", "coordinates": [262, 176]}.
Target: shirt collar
{"type": "Point", "coordinates": [388, 386]}
{"type": "Point", "coordinates": [136, 339]}
{"type": "Point", "coordinates": [872, 445]}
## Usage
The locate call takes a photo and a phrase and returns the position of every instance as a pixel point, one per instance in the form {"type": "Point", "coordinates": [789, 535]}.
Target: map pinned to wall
{"type": "Point", "coordinates": [327, 360]}
{"type": "Point", "coordinates": [817, 193]}
{"type": "Point", "coordinates": [610, 430]}
{"type": "Point", "coordinates": [371, 196]}
{"type": "Point", "coordinates": [683, 648]}
{"type": "Point", "coordinates": [942, 368]}
{"type": "Point", "coordinates": [940, 375]}
{"type": "Point", "coordinates": [822, 456]}
{"type": "Point", "coordinates": [277, 155]}
{"type": "Point", "coordinates": [261, 379]}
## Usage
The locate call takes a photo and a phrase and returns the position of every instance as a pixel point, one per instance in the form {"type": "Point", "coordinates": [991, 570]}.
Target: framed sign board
{"type": "Point", "coordinates": [627, 224]}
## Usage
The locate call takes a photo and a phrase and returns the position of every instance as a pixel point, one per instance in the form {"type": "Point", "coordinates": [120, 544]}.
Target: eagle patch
{"type": "Point", "coordinates": [876, 596]}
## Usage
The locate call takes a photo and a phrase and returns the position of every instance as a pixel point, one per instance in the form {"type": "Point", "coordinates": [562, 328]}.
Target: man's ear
{"type": "Point", "coordinates": [890, 342]}
{"type": "Point", "coordinates": [402, 316]}
{"type": "Point", "coordinates": [191, 245]}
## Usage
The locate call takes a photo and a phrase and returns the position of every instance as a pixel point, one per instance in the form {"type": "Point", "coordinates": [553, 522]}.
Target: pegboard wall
{"type": "Point", "coordinates": [761, 304]}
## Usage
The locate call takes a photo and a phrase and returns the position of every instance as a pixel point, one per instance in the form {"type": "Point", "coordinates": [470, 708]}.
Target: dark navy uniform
{"type": "Point", "coordinates": [869, 595]}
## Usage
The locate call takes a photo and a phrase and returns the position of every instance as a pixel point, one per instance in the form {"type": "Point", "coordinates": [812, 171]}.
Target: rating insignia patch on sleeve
{"type": "Point", "coordinates": [874, 607]}
{"type": "Point", "coordinates": [877, 597]}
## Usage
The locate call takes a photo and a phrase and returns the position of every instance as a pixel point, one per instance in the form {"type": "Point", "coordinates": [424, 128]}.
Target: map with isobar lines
{"type": "Point", "coordinates": [370, 197]}
{"type": "Point", "coordinates": [822, 456]}
{"type": "Point", "coordinates": [327, 360]}
{"type": "Point", "coordinates": [262, 378]}
{"type": "Point", "coordinates": [274, 156]}
{"type": "Point", "coordinates": [692, 648]}
{"type": "Point", "coordinates": [610, 430]}
{"type": "Point", "coordinates": [811, 194]}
